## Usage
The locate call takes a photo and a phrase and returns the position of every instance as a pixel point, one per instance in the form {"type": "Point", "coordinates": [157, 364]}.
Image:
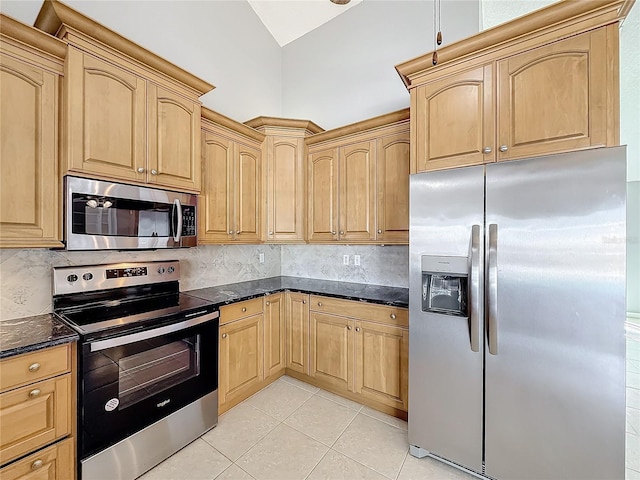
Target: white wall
{"type": "Point", "coordinates": [222, 42]}
{"type": "Point", "coordinates": [343, 71]}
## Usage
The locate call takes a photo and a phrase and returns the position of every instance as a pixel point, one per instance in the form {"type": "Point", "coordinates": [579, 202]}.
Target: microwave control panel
{"type": "Point", "coordinates": [188, 221]}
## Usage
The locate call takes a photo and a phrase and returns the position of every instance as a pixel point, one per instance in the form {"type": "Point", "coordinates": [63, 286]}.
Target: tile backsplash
{"type": "Point", "coordinates": [25, 274]}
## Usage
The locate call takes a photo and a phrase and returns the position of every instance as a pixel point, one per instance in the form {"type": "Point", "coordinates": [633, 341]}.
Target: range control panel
{"type": "Point", "coordinates": [86, 278]}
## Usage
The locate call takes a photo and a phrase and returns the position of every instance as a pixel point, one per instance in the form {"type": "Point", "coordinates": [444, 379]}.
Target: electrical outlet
{"type": "Point", "coordinates": [345, 259]}
{"type": "Point", "coordinates": [356, 260]}
{"type": "Point", "coordinates": [261, 256]}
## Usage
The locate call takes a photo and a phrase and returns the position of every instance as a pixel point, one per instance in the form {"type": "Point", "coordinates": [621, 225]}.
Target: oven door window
{"type": "Point", "coordinates": [147, 373]}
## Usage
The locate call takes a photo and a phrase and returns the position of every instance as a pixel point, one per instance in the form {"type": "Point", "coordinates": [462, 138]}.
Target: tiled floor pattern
{"type": "Point", "coordinates": [292, 430]}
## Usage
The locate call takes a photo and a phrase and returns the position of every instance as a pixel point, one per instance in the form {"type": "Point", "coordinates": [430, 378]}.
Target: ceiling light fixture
{"type": "Point", "coordinates": [340, 2]}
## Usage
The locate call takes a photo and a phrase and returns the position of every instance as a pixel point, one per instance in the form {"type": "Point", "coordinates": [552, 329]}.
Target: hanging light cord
{"type": "Point", "coordinates": [437, 27]}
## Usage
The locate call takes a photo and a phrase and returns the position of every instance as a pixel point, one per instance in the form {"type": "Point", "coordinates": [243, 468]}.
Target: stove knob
{"type": "Point", "coordinates": [87, 276]}
{"type": "Point", "coordinates": [170, 270]}
{"type": "Point", "coordinates": [72, 278]}
{"type": "Point", "coordinates": [160, 270]}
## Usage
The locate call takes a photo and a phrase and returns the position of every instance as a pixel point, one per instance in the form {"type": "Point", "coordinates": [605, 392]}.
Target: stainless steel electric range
{"type": "Point", "coordinates": [147, 364]}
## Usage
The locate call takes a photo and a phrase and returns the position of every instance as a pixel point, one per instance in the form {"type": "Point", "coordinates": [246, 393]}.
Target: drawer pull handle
{"type": "Point", "coordinates": [393, 316]}
{"type": "Point", "coordinates": [349, 327]}
{"type": "Point", "coordinates": [268, 303]}
{"type": "Point", "coordinates": [244, 309]}
{"type": "Point", "coordinates": [358, 329]}
{"type": "Point", "coordinates": [224, 335]}
{"type": "Point", "coordinates": [34, 367]}
{"type": "Point", "coordinates": [37, 464]}
{"type": "Point", "coordinates": [34, 393]}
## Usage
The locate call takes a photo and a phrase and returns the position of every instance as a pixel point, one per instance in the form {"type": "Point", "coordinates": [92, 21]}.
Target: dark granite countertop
{"type": "Point", "coordinates": [22, 335]}
{"type": "Point", "coordinates": [235, 292]}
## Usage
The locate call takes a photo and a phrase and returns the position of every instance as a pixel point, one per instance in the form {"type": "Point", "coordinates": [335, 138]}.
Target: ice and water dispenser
{"type": "Point", "coordinates": [444, 285]}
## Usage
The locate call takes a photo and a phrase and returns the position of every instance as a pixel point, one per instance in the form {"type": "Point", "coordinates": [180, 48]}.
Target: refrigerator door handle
{"type": "Point", "coordinates": [474, 316]}
{"type": "Point", "coordinates": [492, 291]}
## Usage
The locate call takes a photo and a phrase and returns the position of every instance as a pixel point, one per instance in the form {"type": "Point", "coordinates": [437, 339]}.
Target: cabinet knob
{"type": "Point", "coordinates": [333, 232]}
{"type": "Point", "coordinates": [34, 393]}
{"type": "Point", "coordinates": [358, 329]}
{"type": "Point", "coordinates": [349, 327]}
{"type": "Point", "coordinates": [237, 232]}
{"type": "Point", "coordinates": [244, 309]}
{"type": "Point", "coordinates": [304, 302]}
{"type": "Point", "coordinates": [37, 464]}
{"type": "Point", "coordinates": [503, 148]}
{"type": "Point", "coordinates": [34, 367]}
{"type": "Point", "coordinates": [319, 304]}
{"type": "Point", "coordinates": [224, 335]}
{"type": "Point", "coordinates": [230, 232]}
{"type": "Point", "coordinates": [270, 233]}
{"type": "Point", "coordinates": [268, 303]}
{"type": "Point", "coordinates": [393, 316]}
{"type": "Point", "coordinates": [341, 232]}
{"type": "Point", "coordinates": [140, 170]}
{"type": "Point", "coordinates": [379, 230]}
{"type": "Point", "coordinates": [154, 172]}
{"type": "Point", "coordinates": [486, 150]}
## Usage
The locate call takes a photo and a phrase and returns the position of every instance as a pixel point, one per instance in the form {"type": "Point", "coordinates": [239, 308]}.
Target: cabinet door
{"type": "Point", "coordinates": [52, 463]}
{"type": "Point", "coordinates": [216, 202]}
{"type": "Point", "coordinates": [107, 119]}
{"type": "Point", "coordinates": [322, 219]}
{"type": "Point", "coordinates": [553, 98]}
{"type": "Point", "coordinates": [382, 363]}
{"type": "Point", "coordinates": [241, 357]}
{"type": "Point", "coordinates": [454, 121]}
{"type": "Point", "coordinates": [393, 188]}
{"type": "Point", "coordinates": [357, 179]}
{"type": "Point", "coordinates": [274, 327]}
{"type": "Point", "coordinates": [285, 189]}
{"type": "Point", "coordinates": [33, 416]}
{"type": "Point", "coordinates": [297, 332]}
{"type": "Point", "coordinates": [29, 155]}
{"type": "Point", "coordinates": [248, 204]}
{"type": "Point", "coordinates": [332, 350]}
{"type": "Point", "coordinates": [174, 140]}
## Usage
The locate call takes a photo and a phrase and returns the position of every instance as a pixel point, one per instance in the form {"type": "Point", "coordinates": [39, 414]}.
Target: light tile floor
{"type": "Point", "coordinates": [292, 430]}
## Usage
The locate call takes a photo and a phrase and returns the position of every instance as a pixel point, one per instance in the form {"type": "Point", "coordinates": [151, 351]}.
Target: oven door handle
{"type": "Point", "coordinates": [156, 332]}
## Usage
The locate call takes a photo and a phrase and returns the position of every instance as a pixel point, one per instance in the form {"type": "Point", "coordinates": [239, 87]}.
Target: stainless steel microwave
{"type": "Point", "coordinates": [113, 216]}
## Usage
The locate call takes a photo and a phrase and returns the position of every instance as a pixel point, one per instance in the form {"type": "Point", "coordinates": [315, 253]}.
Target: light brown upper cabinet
{"type": "Point", "coordinates": [31, 64]}
{"type": "Point", "coordinates": [543, 83]}
{"type": "Point", "coordinates": [358, 182]}
{"type": "Point", "coordinates": [129, 114]}
{"type": "Point", "coordinates": [230, 204]}
{"type": "Point", "coordinates": [284, 154]}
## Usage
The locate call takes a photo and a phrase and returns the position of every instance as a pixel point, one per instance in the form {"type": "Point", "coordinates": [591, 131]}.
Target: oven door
{"type": "Point", "coordinates": [131, 381]}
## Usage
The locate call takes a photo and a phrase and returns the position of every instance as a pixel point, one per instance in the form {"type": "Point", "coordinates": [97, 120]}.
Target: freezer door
{"type": "Point", "coordinates": [554, 366]}
{"type": "Point", "coordinates": [445, 342]}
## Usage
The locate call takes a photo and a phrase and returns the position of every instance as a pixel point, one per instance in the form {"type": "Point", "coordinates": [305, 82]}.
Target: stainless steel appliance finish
{"type": "Point", "coordinates": [147, 364]}
{"type": "Point", "coordinates": [113, 216]}
{"type": "Point", "coordinates": [143, 450]}
{"type": "Point", "coordinates": [545, 395]}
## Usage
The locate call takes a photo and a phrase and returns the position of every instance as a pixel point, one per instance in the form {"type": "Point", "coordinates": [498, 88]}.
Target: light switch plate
{"type": "Point", "coordinates": [261, 257]}
{"type": "Point", "coordinates": [356, 260]}
{"type": "Point", "coordinates": [345, 259]}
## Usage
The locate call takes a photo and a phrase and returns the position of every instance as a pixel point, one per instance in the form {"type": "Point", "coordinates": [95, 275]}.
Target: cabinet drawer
{"type": "Point", "coordinates": [368, 311]}
{"type": "Point", "coordinates": [232, 312]}
{"type": "Point", "coordinates": [33, 416]}
{"type": "Point", "coordinates": [51, 463]}
{"type": "Point", "coordinates": [31, 367]}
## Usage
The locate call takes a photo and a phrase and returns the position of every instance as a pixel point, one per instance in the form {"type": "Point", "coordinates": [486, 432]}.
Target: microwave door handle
{"type": "Point", "coordinates": [177, 234]}
{"type": "Point", "coordinates": [474, 314]}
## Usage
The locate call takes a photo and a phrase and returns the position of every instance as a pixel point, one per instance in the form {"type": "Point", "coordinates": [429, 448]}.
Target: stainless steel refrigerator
{"type": "Point", "coordinates": [516, 322]}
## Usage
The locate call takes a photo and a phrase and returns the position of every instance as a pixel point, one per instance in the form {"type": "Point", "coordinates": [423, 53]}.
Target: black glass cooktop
{"type": "Point", "coordinates": [114, 315]}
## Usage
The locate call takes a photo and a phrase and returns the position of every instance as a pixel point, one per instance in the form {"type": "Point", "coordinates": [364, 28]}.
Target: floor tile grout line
{"type": "Point", "coordinates": [404, 460]}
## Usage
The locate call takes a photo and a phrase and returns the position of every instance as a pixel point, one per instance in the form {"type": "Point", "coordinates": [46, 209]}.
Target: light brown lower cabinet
{"type": "Point", "coordinates": [51, 463]}
{"type": "Point", "coordinates": [355, 349]}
